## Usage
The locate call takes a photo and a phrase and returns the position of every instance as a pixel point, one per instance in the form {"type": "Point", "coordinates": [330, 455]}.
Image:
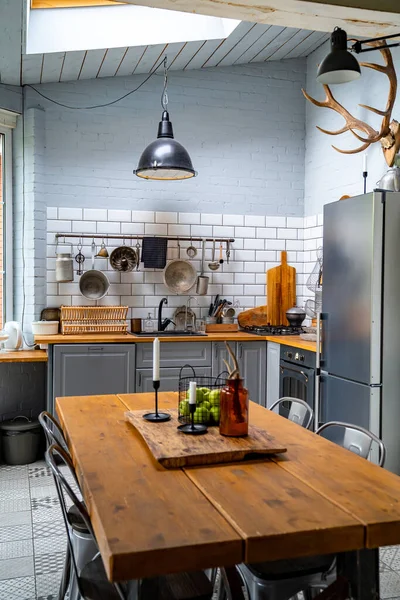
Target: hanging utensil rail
{"type": "Point", "coordinates": [121, 236]}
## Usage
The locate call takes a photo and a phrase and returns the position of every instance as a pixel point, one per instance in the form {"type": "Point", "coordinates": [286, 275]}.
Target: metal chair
{"type": "Point", "coordinates": [80, 536]}
{"type": "Point", "coordinates": [354, 438]}
{"type": "Point", "coordinates": [298, 411]}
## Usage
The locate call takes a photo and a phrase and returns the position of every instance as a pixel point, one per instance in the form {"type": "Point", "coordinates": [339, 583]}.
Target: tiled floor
{"type": "Point", "coordinates": [33, 542]}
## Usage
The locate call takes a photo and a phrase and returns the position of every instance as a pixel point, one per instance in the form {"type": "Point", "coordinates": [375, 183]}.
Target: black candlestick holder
{"type": "Point", "coordinates": [156, 417]}
{"type": "Point", "coordinates": [191, 428]}
{"type": "Point", "coordinates": [365, 175]}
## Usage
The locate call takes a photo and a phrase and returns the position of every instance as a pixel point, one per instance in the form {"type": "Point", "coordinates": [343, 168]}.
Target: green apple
{"type": "Point", "coordinates": [201, 415]}
{"type": "Point", "coordinates": [206, 404]}
{"type": "Point", "coordinates": [184, 408]}
{"type": "Point", "coordinates": [214, 397]}
{"type": "Point", "coordinates": [215, 414]}
{"type": "Point", "coordinates": [199, 395]}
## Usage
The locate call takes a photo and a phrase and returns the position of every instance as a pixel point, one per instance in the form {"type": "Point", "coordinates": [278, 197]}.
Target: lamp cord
{"type": "Point", "coordinates": [164, 95]}
{"type": "Point", "coordinates": [153, 72]}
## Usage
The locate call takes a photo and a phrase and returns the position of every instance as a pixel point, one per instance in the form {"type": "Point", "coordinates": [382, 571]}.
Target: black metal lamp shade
{"type": "Point", "coordinates": [165, 158]}
{"type": "Point", "coordinates": [339, 66]}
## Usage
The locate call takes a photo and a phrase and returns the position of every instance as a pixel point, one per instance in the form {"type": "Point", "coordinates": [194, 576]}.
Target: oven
{"type": "Point", "coordinates": [297, 374]}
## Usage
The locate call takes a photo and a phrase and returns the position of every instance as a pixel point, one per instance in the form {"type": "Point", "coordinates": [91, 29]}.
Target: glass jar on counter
{"type": "Point", "coordinates": [148, 325]}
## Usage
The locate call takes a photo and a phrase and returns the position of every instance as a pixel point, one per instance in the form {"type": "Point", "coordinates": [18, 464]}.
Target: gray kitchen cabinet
{"type": "Point", "coordinates": [252, 358]}
{"type": "Point", "coordinates": [175, 354]}
{"type": "Point", "coordinates": [83, 370]}
{"type": "Point", "coordinates": [169, 378]}
{"type": "Point", "coordinates": [273, 361]}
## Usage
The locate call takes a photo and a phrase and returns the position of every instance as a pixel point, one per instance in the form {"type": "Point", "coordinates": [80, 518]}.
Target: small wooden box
{"type": "Point", "coordinates": [222, 327]}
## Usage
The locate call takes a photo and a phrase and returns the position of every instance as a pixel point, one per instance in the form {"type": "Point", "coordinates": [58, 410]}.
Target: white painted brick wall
{"type": "Point", "coordinates": [242, 280]}
{"type": "Point", "coordinates": [244, 131]}
{"type": "Point", "coordinates": [329, 174]}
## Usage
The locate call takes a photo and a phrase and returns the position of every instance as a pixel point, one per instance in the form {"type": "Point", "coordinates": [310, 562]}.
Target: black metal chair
{"type": "Point", "coordinates": [52, 431]}
{"type": "Point", "coordinates": [354, 438]}
{"type": "Point", "coordinates": [295, 410]}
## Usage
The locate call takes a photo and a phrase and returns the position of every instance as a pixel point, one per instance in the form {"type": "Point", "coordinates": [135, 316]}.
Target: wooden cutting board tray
{"type": "Point", "coordinates": [174, 449]}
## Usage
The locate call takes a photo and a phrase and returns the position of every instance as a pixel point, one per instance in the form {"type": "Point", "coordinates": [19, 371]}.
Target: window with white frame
{"type": "Point", "coordinates": [6, 283]}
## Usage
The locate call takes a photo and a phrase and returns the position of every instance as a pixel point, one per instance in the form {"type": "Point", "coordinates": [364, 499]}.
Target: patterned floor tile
{"type": "Point", "coordinates": [15, 518]}
{"type": "Point", "coordinates": [389, 584]}
{"type": "Point", "coordinates": [39, 471]}
{"type": "Point", "coordinates": [41, 481]}
{"type": "Point", "coordinates": [14, 494]}
{"type": "Point", "coordinates": [46, 491]}
{"type": "Point", "coordinates": [390, 556]}
{"type": "Point", "coordinates": [48, 584]}
{"type": "Point", "coordinates": [14, 484]}
{"type": "Point", "coordinates": [16, 567]}
{"type": "Point", "coordinates": [49, 563]}
{"type": "Point", "coordinates": [16, 549]}
{"type": "Point", "coordinates": [17, 532]}
{"type": "Point", "coordinates": [9, 472]}
{"type": "Point", "coordinates": [48, 529]}
{"type": "Point", "coordinates": [15, 505]}
{"type": "Point", "coordinates": [44, 514]}
{"type": "Point", "coordinates": [19, 588]}
{"type": "Point", "coordinates": [50, 544]}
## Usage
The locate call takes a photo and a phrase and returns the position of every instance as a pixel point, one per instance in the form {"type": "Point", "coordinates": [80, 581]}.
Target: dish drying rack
{"type": "Point", "coordinates": [93, 319]}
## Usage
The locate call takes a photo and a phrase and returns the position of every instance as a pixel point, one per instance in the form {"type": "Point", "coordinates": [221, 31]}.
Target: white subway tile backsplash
{"type": "Point", "coordinates": [124, 216]}
{"type": "Point", "coordinates": [233, 220]}
{"type": "Point", "coordinates": [320, 219]}
{"type": "Point", "coordinates": [310, 221]}
{"type": "Point", "coordinates": [211, 219]}
{"type": "Point", "coordinates": [257, 247]}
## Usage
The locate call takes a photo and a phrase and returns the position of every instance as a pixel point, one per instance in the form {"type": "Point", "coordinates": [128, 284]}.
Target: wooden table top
{"type": "Point", "coordinates": [317, 498]}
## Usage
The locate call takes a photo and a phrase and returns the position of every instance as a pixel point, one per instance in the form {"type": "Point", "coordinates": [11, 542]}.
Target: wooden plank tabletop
{"type": "Point", "coordinates": [148, 520]}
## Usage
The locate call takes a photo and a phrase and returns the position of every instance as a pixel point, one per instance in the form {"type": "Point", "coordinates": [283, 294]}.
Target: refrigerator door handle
{"type": "Point", "coordinates": [317, 374]}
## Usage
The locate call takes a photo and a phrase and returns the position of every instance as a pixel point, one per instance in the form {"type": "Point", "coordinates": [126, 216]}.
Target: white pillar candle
{"type": "Point", "coordinates": [365, 163]}
{"type": "Point", "coordinates": [156, 359]}
{"type": "Point", "coordinates": [192, 392]}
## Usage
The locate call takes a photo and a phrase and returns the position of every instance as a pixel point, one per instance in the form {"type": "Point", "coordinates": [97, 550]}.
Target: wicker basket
{"type": "Point", "coordinates": [93, 319]}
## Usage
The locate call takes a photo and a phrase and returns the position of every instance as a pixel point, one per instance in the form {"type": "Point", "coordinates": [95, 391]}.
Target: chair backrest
{"type": "Point", "coordinates": [297, 410]}
{"type": "Point", "coordinates": [52, 431]}
{"type": "Point", "coordinates": [353, 438]}
{"type": "Point", "coordinates": [57, 457]}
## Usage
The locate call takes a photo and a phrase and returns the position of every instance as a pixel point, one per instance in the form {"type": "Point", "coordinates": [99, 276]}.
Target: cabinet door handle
{"type": "Point", "coordinates": [95, 349]}
{"type": "Point", "coordinates": [240, 350]}
{"type": "Point", "coordinates": [215, 350]}
{"type": "Point", "coordinates": [139, 380]}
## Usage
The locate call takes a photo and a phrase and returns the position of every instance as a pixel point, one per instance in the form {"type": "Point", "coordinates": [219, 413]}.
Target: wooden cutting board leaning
{"type": "Point", "coordinates": [174, 449]}
{"type": "Point", "coordinates": [281, 291]}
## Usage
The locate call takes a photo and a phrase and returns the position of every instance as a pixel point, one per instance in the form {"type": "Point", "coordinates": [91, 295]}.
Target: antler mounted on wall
{"type": "Point", "coordinates": [389, 133]}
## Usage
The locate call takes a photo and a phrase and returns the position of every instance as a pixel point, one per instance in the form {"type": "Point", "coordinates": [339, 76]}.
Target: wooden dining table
{"type": "Point", "coordinates": [317, 498]}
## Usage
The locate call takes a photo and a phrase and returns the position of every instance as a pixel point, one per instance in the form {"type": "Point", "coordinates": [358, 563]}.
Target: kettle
{"type": "Point", "coordinates": [15, 340]}
{"type": "Point", "coordinates": [390, 180]}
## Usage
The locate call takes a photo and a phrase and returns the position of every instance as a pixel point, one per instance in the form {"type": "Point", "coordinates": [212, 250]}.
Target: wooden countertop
{"type": "Point", "coordinates": [23, 356]}
{"type": "Point", "coordinates": [148, 519]}
{"type": "Point", "coordinates": [118, 338]}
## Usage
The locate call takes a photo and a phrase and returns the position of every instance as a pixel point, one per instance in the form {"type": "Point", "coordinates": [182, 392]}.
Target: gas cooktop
{"type": "Point", "coordinates": [273, 330]}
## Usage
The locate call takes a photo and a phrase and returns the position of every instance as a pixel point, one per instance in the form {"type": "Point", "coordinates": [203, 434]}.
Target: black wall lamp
{"type": "Point", "coordinates": [340, 66]}
{"type": "Point", "coordinates": [165, 159]}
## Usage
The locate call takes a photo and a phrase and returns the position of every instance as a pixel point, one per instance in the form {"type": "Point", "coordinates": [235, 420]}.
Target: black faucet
{"type": "Point", "coordinates": [162, 324]}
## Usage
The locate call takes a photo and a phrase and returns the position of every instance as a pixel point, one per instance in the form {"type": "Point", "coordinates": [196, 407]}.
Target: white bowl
{"type": "Point", "coordinates": [45, 327]}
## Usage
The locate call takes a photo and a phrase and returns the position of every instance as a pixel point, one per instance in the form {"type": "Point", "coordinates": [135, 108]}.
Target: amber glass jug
{"type": "Point", "coordinates": [234, 417]}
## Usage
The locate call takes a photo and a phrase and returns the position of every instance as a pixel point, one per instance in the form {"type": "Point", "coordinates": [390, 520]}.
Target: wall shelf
{"type": "Point", "coordinates": [120, 236]}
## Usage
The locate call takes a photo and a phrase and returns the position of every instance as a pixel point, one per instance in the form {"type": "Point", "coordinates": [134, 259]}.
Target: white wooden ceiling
{"type": "Point", "coordinates": [249, 42]}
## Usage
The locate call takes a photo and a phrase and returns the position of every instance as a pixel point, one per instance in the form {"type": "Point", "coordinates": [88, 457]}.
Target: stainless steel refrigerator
{"type": "Point", "coordinates": [360, 357]}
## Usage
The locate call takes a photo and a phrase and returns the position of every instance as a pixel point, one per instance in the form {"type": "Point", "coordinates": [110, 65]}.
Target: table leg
{"type": "Point", "coordinates": [361, 569]}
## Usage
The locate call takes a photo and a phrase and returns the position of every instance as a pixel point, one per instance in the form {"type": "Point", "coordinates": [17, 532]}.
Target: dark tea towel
{"type": "Point", "coordinates": [154, 252]}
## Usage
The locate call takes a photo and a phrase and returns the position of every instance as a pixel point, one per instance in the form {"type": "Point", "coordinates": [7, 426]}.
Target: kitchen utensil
{"type": "Point", "coordinates": [295, 316]}
{"type": "Point", "coordinates": [281, 290]}
{"type": "Point", "coordinates": [123, 259]}
{"type": "Point", "coordinates": [80, 259]}
{"type": "Point", "coordinates": [15, 340]}
{"type": "Point", "coordinates": [221, 260]}
{"type": "Point", "coordinates": [228, 251]}
{"type": "Point", "coordinates": [93, 319]}
{"type": "Point", "coordinates": [211, 320]}
{"type": "Point", "coordinates": [227, 320]}
{"type": "Point", "coordinates": [210, 310]}
{"type": "Point", "coordinates": [191, 251]}
{"type": "Point", "coordinates": [94, 284]}
{"type": "Point", "coordinates": [64, 266]}
{"type": "Point", "coordinates": [202, 280]}
{"type": "Point", "coordinates": [213, 265]}
{"type": "Point", "coordinates": [50, 314]}
{"type": "Point", "coordinates": [228, 312]}
{"type": "Point", "coordinates": [173, 450]}
{"type": "Point", "coordinates": [179, 276]}
{"type": "Point", "coordinates": [253, 317]}
{"type": "Point", "coordinates": [137, 255]}
{"type": "Point", "coordinates": [103, 252]}
{"type": "Point", "coordinates": [45, 327]}
{"type": "Point", "coordinates": [136, 325]}
{"type": "Point", "coordinates": [180, 319]}
{"type": "Point", "coordinates": [390, 180]}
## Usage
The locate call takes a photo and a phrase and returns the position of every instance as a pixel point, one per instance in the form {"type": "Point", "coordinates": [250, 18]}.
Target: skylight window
{"type": "Point", "coordinates": [91, 28]}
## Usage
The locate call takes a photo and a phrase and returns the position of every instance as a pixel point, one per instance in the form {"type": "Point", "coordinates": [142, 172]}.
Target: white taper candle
{"type": "Point", "coordinates": [365, 169]}
{"type": "Point", "coordinates": [192, 392]}
{"type": "Point", "coordinates": [156, 359]}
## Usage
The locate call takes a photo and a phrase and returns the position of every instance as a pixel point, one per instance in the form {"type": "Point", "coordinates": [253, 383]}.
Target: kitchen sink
{"type": "Point", "coordinates": [174, 332]}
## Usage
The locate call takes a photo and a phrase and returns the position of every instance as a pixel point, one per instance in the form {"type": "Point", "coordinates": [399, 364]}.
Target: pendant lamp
{"type": "Point", "coordinates": [339, 66]}
{"type": "Point", "coordinates": [165, 158]}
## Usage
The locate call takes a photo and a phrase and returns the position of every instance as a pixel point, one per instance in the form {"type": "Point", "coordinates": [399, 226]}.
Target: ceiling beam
{"type": "Point", "coordinates": [70, 3]}
{"type": "Point", "coordinates": [358, 17]}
